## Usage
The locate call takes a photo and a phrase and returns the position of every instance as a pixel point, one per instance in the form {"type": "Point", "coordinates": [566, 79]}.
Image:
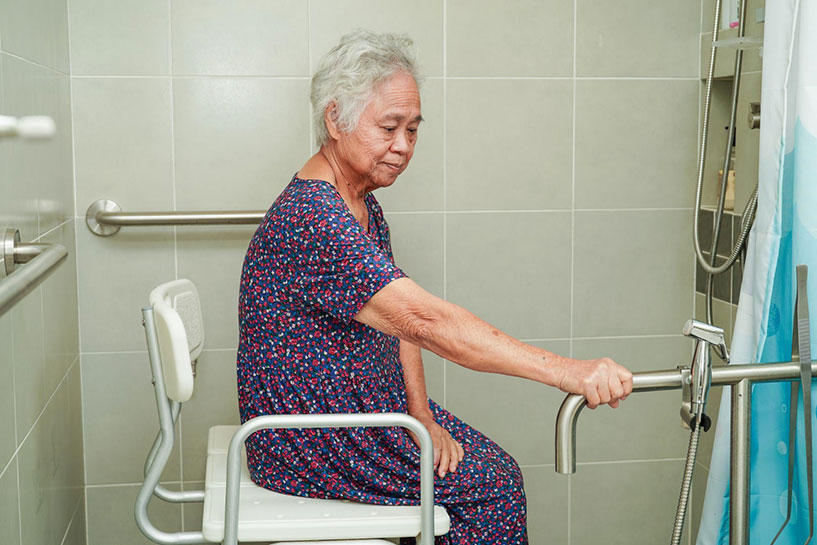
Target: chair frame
{"type": "Point", "coordinates": [159, 454]}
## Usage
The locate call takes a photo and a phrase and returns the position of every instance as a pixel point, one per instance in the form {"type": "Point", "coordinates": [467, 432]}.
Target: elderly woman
{"type": "Point", "coordinates": [330, 324]}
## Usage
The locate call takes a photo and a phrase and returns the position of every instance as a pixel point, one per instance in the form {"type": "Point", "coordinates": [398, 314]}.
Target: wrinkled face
{"type": "Point", "coordinates": [382, 145]}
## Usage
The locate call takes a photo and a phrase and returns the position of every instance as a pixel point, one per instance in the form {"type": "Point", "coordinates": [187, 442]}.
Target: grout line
{"type": "Point", "coordinates": [572, 243]}
{"type": "Point", "coordinates": [19, 503]}
{"type": "Point", "coordinates": [55, 228]}
{"type": "Point", "coordinates": [35, 63]}
{"type": "Point", "coordinates": [640, 461]}
{"type": "Point", "coordinates": [77, 219]}
{"type": "Point", "coordinates": [195, 76]}
{"type": "Point", "coordinates": [574, 77]}
{"type": "Point", "coordinates": [174, 203]}
{"type": "Point", "coordinates": [115, 485]}
{"type": "Point", "coordinates": [172, 138]}
{"type": "Point", "coordinates": [39, 416]}
{"type": "Point", "coordinates": [71, 521]}
{"type": "Point", "coordinates": [445, 182]}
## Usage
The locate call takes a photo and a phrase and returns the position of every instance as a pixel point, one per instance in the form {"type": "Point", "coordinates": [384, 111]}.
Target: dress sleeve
{"type": "Point", "coordinates": [336, 266]}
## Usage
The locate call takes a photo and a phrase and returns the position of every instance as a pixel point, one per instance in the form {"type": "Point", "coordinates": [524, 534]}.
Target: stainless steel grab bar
{"type": "Point", "coordinates": [105, 217]}
{"type": "Point", "coordinates": [42, 259]}
{"type": "Point", "coordinates": [741, 378]}
{"type": "Point", "coordinates": [670, 379]}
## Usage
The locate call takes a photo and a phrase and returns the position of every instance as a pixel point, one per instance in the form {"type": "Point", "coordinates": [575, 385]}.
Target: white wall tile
{"type": "Point", "coordinates": [243, 37]}
{"type": "Point", "coordinates": [126, 37]}
{"type": "Point", "coordinates": [421, 20]}
{"type": "Point", "coordinates": [238, 141]}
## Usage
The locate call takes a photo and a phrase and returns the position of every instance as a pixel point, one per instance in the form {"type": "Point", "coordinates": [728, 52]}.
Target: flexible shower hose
{"type": "Point", "coordinates": [686, 484]}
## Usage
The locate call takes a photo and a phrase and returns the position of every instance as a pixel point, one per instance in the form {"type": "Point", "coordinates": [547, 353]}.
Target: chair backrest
{"type": "Point", "coordinates": [180, 333]}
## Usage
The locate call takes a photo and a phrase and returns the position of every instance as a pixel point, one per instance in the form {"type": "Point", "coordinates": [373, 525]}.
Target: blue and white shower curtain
{"type": "Point", "coordinates": [784, 236]}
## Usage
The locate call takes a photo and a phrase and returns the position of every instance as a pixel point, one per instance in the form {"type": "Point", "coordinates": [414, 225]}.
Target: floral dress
{"type": "Point", "coordinates": [309, 269]}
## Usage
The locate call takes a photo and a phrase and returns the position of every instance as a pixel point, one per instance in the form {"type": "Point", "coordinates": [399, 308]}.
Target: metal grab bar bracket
{"type": "Point", "coordinates": [14, 284]}
{"type": "Point", "coordinates": [97, 228]}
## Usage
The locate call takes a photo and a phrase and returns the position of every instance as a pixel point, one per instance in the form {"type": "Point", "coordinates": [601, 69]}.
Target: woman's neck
{"type": "Point", "coordinates": [325, 165]}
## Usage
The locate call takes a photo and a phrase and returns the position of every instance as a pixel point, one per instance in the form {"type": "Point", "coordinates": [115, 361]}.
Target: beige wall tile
{"type": "Point", "coordinates": [123, 142]}
{"type": "Point", "coordinates": [646, 425]}
{"type": "Point", "coordinates": [421, 20]}
{"type": "Point", "coordinates": [110, 516]}
{"type": "Point", "coordinates": [127, 37]}
{"type": "Point", "coordinates": [115, 276]}
{"type": "Point", "coordinates": [36, 30]}
{"type": "Point", "coordinates": [597, 513]}
{"type": "Point", "coordinates": [512, 270]}
{"type": "Point", "coordinates": [120, 418]}
{"type": "Point", "coordinates": [214, 403]}
{"type": "Point", "coordinates": [633, 151]}
{"type": "Point", "coordinates": [496, 405]}
{"type": "Point", "coordinates": [509, 145]}
{"type": "Point", "coordinates": [46, 498]}
{"type": "Point", "coordinates": [212, 257]}
{"type": "Point", "coordinates": [27, 89]}
{"type": "Point", "coordinates": [522, 38]}
{"type": "Point", "coordinates": [420, 187]}
{"type": "Point", "coordinates": [60, 321]}
{"type": "Point", "coordinates": [548, 500]}
{"type": "Point", "coordinates": [631, 272]}
{"type": "Point", "coordinates": [238, 141]}
{"type": "Point", "coordinates": [8, 443]}
{"type": "Point", "coordinates": [9, 510]}
{"type": "Point", "coordinates": [417, 243]}
{"type": "Point", "coordinates": [637, 38]}
{"type": "Point", "coordinates": [29, 363]}
{"type": "Point", "coordinates": [245, 37]}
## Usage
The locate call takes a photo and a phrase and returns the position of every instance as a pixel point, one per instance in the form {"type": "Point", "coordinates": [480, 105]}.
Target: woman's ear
{"type": "Point", "coordinates": [330, 119]}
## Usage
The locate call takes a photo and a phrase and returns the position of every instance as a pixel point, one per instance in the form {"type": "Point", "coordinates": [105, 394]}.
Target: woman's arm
{"type": "Point", "coordinates": [405, 310]}
{"type": "Point", "coordinates": [447, 452]}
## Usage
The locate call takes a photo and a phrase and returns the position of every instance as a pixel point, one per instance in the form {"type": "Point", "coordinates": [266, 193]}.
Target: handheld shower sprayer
{"type": "Point", "coordinates": [699, 375]}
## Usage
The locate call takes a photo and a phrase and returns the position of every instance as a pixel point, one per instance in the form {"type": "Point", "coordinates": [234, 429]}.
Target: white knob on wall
{"type": "Point", "coordinates": [29, 127]}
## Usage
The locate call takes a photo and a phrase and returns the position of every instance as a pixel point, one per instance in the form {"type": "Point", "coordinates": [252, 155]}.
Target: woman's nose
{"type": "Point", "coordinates": [401, 142]}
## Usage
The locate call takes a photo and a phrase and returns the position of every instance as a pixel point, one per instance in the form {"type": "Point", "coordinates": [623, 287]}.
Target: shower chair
{"type": "Point", "coordinates": [235, 508]}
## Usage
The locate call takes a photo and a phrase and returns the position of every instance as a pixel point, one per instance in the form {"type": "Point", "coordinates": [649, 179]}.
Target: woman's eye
{"type": "Point", "coordinates": [389, 129]}
{"type": "Point", "coordinates": [412, 131]}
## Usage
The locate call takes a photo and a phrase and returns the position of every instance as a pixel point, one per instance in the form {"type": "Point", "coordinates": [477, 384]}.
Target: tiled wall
{"type": "Point", "coordinates": [41, 470]}
{"type": "Point", "coordinates": [551, 193]}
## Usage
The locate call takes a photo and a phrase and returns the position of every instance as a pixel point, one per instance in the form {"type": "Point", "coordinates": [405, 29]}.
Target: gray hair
{"type": "Point", "coordinates": [352, 70]}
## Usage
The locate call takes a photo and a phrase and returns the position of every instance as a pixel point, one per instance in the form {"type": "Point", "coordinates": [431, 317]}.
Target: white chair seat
{"type": "Point", "coordinates": [269, 516]}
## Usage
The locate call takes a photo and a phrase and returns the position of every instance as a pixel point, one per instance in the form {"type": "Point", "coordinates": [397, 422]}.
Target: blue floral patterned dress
{"type": "Point", "coordinates": [308, 271]}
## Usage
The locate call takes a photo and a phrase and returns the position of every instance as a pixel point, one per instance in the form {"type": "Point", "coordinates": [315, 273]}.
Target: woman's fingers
{"type": "Point", "coordinates": [445, 456]}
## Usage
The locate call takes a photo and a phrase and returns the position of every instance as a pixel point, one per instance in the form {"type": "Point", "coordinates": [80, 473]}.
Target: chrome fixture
{"type": "Point", "coordinates": [105, 217]}
{"type": "Point", "coordinates": [700, 372]}
{"type": "Point", "coordinates": [694, 381]}
{"type": "Point", "coordinates": [42, 259]}
{"type": "Point", "coordinates": [741, 43]}
{"type": "Point", "coordinates": [31, 127]}
{"type": "Point", "coordinates": [754, 115]}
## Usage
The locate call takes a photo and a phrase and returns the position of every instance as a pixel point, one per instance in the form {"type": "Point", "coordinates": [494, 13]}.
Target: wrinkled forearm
{"type": "Point", "coordinates": [405, 310]}
{"type": "Point", "coordinates": [414, 378]}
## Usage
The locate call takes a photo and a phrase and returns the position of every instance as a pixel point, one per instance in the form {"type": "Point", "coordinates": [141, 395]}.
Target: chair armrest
{"type": "Point", "coordinates": [363, 420]}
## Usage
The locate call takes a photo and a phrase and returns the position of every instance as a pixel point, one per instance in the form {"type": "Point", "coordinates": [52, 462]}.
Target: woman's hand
{"type": "Point", "coordinates": [600, 381]}
{"type": "Point", "coordinates": [447, 452]}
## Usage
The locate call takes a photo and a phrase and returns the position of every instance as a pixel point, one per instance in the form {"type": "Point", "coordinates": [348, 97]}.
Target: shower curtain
{"type": "Point", "coordinates": [784, 236]}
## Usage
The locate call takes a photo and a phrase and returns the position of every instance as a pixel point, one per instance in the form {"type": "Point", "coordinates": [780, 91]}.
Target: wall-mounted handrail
{"type": "Point", "coordinates": [740, 378]}
{"type": "Point", "coordinates": [105, 217]}
{"type": "Point", "coordinates": [41, 261]}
